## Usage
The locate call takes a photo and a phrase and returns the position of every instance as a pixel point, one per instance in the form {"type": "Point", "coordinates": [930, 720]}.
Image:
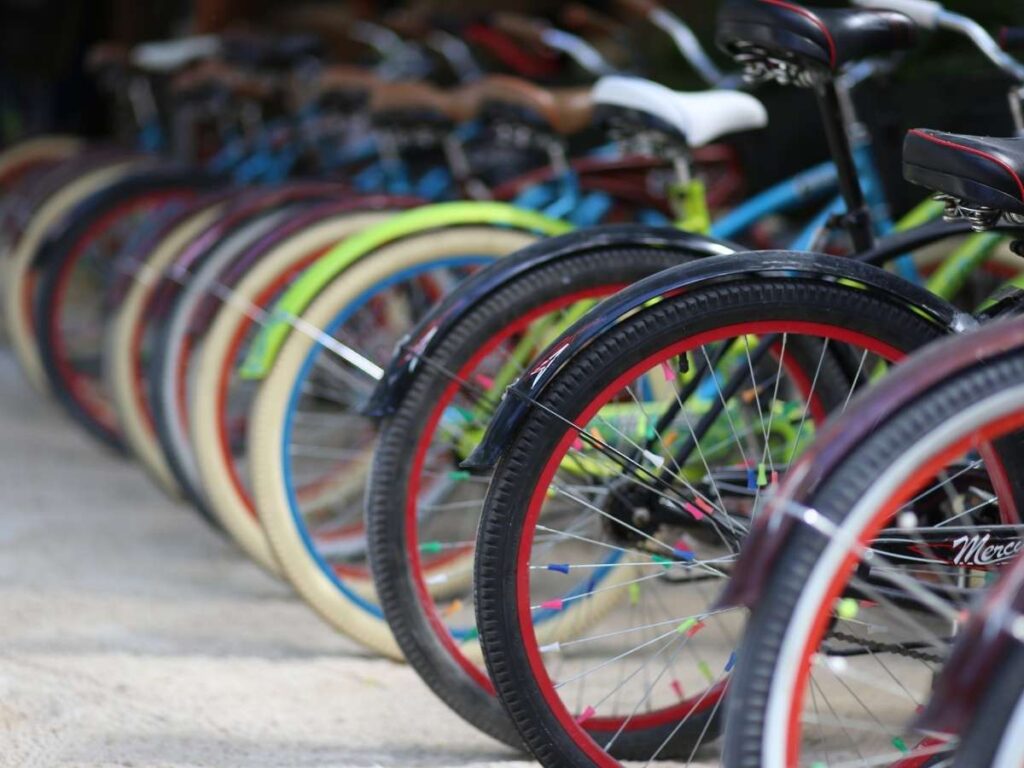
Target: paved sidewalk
{"type": "Point", "coordinates": [131, 635]}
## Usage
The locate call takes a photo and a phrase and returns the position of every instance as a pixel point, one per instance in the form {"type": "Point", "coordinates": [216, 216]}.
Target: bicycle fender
{"type": "Point", "coordinates": [265, 347]}
{"type": "Point", "coordinates": [434, 328]}
{"type": "Point", "coordinates": [715, 270]}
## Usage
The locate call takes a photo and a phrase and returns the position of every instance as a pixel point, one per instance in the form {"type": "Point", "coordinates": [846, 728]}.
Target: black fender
{"type": "Point", "coordinates": [606, 316]}
{"type": "Point", "coordinates": [431, 331]}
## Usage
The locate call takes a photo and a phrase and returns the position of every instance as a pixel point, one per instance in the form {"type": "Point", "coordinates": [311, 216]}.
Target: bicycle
{"type": "Point", "coordinates": [613, 463]}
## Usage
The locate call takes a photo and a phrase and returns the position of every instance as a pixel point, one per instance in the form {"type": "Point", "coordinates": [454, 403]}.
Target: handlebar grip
{"type": "Point", "coordinates": [924, 13]}
{"type": "Point", "coordinates": [1012, 39]}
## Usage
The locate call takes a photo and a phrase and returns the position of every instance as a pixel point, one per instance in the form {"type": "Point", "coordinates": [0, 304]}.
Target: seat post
{"type": "Point", "coordinates": [858, 219]}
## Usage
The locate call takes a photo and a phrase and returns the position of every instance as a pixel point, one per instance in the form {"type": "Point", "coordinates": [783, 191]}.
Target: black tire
{"type": "Point", "coordinates": [387, 492]}
{"type": "Point", "coordinates": [701, 309]}
{"type": "Point", "coordinates": [991, 723]}
{"type": "Point", "coordinates": [853, 475]}
{"type": "Point", "coordinates": [60, 254]}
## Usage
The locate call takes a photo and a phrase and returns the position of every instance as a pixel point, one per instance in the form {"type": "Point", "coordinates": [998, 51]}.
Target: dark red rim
{"type": "Point", "coordinates": [417, 571]}
{"type": "Point", "coordinates": [710, 697]}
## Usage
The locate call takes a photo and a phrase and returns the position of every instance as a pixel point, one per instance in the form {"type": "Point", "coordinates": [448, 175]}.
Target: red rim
{"type": "Point", "coordinates": [77, 384]}
{"type": "Point", "coordinates": [979, 438]}
{"type": "Point", "coordinates": [228, 366]}
{"type": "Point", "coordinates": [710, 697]}
{"type": "Point", "coordinates": [417, 571]}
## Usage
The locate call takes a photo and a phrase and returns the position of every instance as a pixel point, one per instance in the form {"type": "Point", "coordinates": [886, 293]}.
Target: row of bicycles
{"type": "Point", "coordinates": [509, 379]}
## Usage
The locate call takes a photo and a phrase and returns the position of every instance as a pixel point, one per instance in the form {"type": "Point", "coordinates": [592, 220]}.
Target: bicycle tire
{"type": "Point", "coordinates": [553, 736]}
{"type": "Point", "coordinates": [426, 646]}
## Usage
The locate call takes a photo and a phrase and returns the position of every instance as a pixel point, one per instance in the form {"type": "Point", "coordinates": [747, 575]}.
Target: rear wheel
{"type": "Point", "coordinates": [618, 510]}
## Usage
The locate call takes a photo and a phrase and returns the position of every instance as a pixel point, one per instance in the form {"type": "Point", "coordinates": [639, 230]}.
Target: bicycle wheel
{"type": "Point", "coordinates": [124, 341]}
{"type": "Point", "coordinates": [422, 510]}
{"type": "Point", "coordinates": [32, 154]}
{"type": "Point", "coordinates": [630, 486]}
{"type": "Point", "coordinates": [310, 450]}
{"type": "Point", "coordinates": [21, 274]}
{"type": "Point", "coordinates": [860, 608]}
{"type": "Point", "coordinates": [223, 399]}
{"type": "Point", "coordinates": [239, 225]}
{"type": "Point", "coordinates": [70, 308]}
{"type": "Point", "coordinates": [180, 340]}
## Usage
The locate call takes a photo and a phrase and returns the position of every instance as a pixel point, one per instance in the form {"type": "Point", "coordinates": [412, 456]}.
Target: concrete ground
{"type": "Point", "coordinates": [131, 635]}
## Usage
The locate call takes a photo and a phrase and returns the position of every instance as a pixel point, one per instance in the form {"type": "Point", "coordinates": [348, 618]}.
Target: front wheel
{"type": "Point", "coordinates": [617, 511]}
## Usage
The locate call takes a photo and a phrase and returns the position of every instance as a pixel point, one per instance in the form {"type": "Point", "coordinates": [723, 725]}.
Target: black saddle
{"type": "Point", "coordinates": [828, 37]}
{"type": "Point", "coordinates": [977, 170]}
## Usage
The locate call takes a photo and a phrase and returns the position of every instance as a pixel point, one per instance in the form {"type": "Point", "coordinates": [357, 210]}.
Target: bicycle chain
{"type": "Point", "coordinates": [896, 648]}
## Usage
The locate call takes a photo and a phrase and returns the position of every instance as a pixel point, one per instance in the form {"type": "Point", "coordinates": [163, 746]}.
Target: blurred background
{"type": "Point", "coordinates": [45, 85]}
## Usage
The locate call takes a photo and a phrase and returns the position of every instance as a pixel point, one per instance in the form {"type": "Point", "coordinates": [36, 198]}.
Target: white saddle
{"type": "Point", "coordinates": [701, 116]}
{"type": "Point", "coordinates": [172, 55]}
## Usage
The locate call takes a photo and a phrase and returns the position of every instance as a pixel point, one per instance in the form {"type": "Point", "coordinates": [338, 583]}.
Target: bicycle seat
{"type": "Point", "coordinates": [977, 170]}
{"type": "Point", "coordinates": [172, 55]}
{"type": "Point", "coordinates": [699, 118]}
{"type": "Point", "coordinates": [562, 110]}
{"type": "Point", "coordinates": [828, 37]}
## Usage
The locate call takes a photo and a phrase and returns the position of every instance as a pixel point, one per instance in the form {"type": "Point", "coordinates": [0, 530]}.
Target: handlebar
{"type": "Point", "coordinates": [929, 14]}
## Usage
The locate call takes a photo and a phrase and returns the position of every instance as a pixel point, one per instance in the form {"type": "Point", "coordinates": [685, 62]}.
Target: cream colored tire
{"type": "Point", "coordinates": [232, 509]}
{"type": "Point", "coordinates": [119, 354]}
{"type": "Point", "coordinates": [269, 414]}
{"type": "Point", "coordinates": [17, 300]}
{"type": "Point", "coordinates": [53, 148]}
